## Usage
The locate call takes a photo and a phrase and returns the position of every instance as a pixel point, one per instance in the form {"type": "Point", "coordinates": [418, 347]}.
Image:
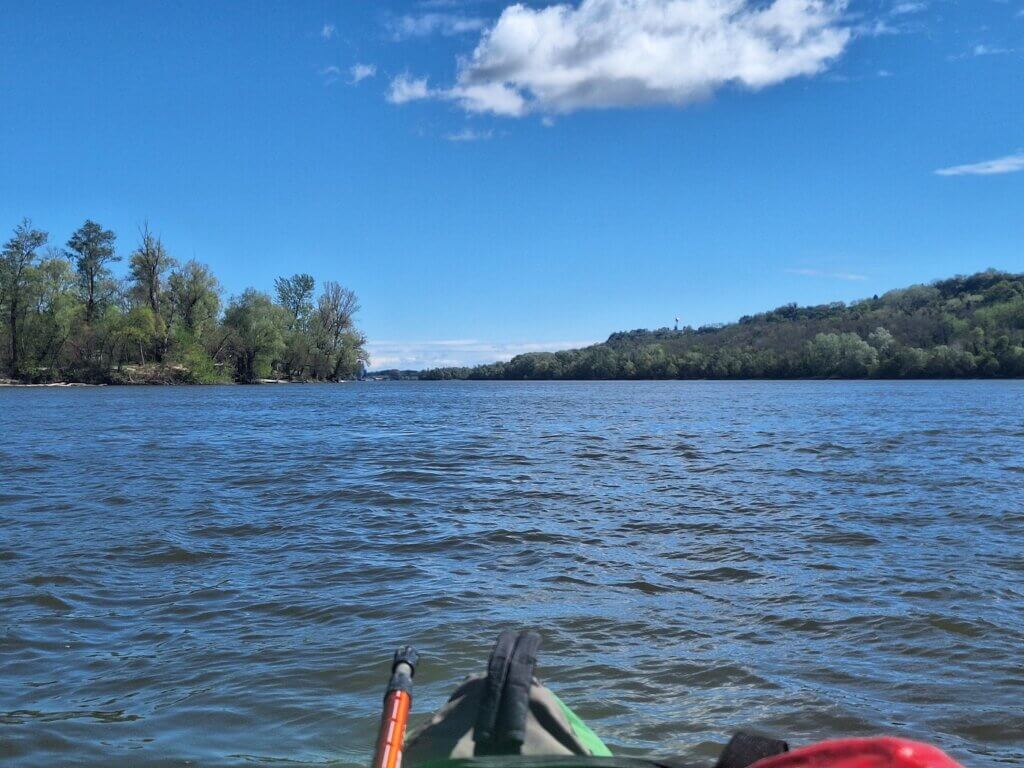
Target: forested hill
{"type": "Point", "coordinates": [957, 328]}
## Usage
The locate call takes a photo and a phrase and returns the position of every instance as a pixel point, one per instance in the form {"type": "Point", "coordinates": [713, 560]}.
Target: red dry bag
{"type": "Point", "coordinates": [882, 752]}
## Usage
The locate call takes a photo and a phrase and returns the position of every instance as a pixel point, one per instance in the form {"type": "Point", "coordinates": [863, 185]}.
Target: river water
{"type": "Point", "coordinates": [218, 575]}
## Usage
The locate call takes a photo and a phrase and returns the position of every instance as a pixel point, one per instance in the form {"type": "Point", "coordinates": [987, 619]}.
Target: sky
{"type": "Point", "coordinates": [493, 178]}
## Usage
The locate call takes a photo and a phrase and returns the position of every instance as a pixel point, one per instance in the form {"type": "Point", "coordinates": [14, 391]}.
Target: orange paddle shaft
{"type": "Point", "coordinates": [397, 703]}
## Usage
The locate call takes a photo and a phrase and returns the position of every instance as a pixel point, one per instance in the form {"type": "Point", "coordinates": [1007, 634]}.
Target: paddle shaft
{"type": "Point", "coordinates": [397, 703]}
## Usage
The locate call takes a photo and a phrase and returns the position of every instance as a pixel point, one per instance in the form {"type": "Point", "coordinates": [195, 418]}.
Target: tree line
{"type": "Point", "coordinates": [964, 327]}
{"type": "Point", "coordinates": [67, 317]}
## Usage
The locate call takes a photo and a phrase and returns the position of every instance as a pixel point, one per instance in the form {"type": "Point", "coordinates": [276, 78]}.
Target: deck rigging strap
{"type": "Point", "coordinates": [505, 703]}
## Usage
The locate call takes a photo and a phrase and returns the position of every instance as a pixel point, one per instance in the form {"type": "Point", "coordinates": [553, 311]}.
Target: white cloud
{"type": "Point", "coordinates": [424, 25]}
{"type": "Point", "coordinates": [1008, 164]}
{"type": "Point", "coordinates": [417, 355]}
{"type": "Point", "coordinates": [327, 31]}
{"type": "Point", "coordinates": [406, 88]}
{"type": "Point", "coordinates": [877, 28]}
{"type": "Point", "coordinates": [622, 53]}
{"type": "Point", "coordinates": [468, 134]}
{"type": "Point", "coordinates": [896, 21]}
{"type": "Point", "coordinates": [903, 9]}
{"type": "Point", "coordinates": [483, 98]}
{"type": "Point", "coordinates": [982, 49]}
{"type": "Point", "coordinates": [852, 276]}
{"type": "Point", "coordinates": [450, 3]}
{"type": "Point", "coordinates": [359, 72]}
{"type": "Point", "coordinates": [331, 74]}
{"type": "Point", "coordinates": [496, 98]}
{"type": "Point", "coordinates": [989, 50]}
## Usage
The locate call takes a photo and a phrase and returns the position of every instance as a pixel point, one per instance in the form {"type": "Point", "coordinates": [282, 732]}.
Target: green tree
{"type": "Point", "coordinates": [341, 346]}
{"type": "Point", "coordinates": [882, 340]}
{"type": "Point", "coordinates": [16, 267]}
{"type": "Point", "coordinates": [846, 355]}
{"type": "Point", "coordinates": [946, 362]}
{"type": "Point", "coordinates": [57, 308]}
{"type": "Point", "coordinates": [92, 249]}
{"type": "Point", "coordinates": [257, 326]}
{"type": "Point", "coordinates": [118, 335]}
{"type": "Point", "coordinates": [295, 294]}
{"type": "Point", "coordinates": [351, 358]}
{"type": "Point", "coordinates": [1011, 361]}
{"type": "Point", "coordinates": [148, 267]}
{"type": "Point", "coordinates": [194, 295]}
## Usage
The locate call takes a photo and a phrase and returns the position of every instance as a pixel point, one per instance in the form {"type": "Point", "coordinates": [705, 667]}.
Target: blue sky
{"type": "Point", "coordinates": [492, 179]}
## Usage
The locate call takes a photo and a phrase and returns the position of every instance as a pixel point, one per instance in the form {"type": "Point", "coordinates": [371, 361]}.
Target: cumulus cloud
{"type": "Point", "coordinates": [359, 72]}
{"type": "Point", "coordinates": [406, 88]}
{"type": "Point", "coordinates": [622, 53]}
{"type": "Point", "coordinates": [852, 276]}
{"type": "Point", "coordinates": [416, 355]}
{"type": "Point", "coordinates": [1008, 164]}
{"type": "Point", "coordinates": [496, 98]}
{"type": "Point", "coordinates": [327, 31]}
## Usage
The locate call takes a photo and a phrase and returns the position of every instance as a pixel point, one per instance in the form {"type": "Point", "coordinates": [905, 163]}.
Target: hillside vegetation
{"type": "Point", "coordinates": [962, 327]}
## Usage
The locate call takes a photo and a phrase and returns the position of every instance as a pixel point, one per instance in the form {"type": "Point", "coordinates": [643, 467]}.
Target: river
{"type": "Point", "coordinates": [218, 575]}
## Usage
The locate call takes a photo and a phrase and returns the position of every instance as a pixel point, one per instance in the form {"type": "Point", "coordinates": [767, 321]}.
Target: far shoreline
{"type": "Point", "coordinates": [8, 384]}
{"type": "Point", "coordinates": [11, 384]}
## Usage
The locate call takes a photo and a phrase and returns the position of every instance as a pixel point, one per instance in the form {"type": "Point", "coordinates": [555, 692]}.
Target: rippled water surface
{"type": "Point", "coordinates": [219, 575]}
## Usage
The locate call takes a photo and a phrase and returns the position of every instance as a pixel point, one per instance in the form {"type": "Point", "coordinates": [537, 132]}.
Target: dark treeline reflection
{"type": "Point", "coordinates": [957, 328]}
{"type": "Point", "coordinates": [67, 317]}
